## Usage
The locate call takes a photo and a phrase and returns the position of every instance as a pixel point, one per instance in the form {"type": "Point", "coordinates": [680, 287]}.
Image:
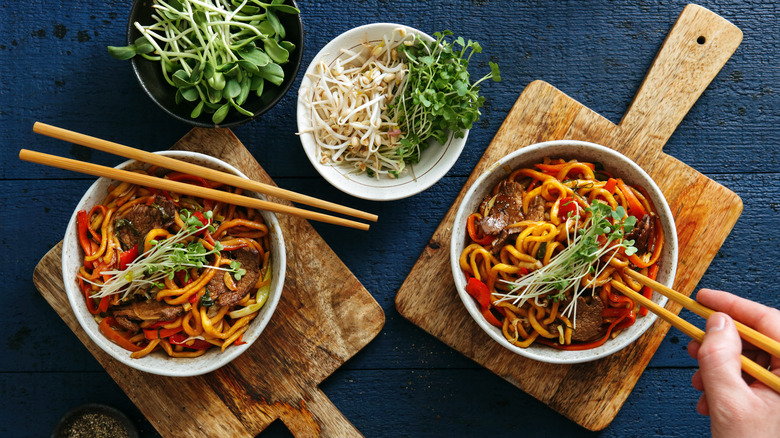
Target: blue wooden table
{"type": "Point", "coordinates": [54, 68]}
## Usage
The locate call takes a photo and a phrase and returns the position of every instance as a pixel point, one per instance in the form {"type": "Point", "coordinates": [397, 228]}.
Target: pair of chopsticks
{"type": "Point", "coordinates": [759, 340]}
{"type": "Point", "coordinates": [188, 189]}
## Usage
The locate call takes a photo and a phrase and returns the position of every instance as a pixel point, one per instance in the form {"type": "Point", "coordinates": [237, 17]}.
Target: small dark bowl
{"type": "Point", "coordinates": [150, 76]}
{"type": "Point", "coordinates": [76, 419]}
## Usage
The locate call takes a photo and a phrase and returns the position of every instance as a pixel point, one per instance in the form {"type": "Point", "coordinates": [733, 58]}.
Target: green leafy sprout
{"type": "Point", "coordinates": [438, 98]}
{"type": "Point", "coordinates": [582, 256]}
{"type": "Point", "coordinates": [215, 52]}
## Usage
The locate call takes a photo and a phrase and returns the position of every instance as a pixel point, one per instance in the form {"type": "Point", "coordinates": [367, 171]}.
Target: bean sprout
{"type": "Point", "coordinates": [348, 100]}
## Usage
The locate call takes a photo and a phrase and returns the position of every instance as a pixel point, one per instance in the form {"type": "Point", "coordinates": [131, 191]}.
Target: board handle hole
{"type": "Point", "coordinates": [701, 40]}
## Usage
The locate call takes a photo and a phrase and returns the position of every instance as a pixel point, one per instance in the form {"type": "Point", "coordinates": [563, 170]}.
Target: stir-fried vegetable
{"type": "Point", "coordinates": [215, 52]}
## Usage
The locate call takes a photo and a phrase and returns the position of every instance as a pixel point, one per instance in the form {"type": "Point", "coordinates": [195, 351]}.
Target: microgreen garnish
{"type": "Point", "coordinates": [179, 252]}
{"type": "Point", "coordinates": [582, 256]}
{"type": "Point", "coordinates": [215, 52]}
{"type": "Point", "coordinates": [438, 96]}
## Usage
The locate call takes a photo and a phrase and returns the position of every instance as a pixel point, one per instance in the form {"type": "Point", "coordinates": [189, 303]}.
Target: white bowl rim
{"type": "Point", "coordinates": [363, 186]}
{"type": "Point", "coordinates": [175, 367]}
{"type": "Point", "coordinates": [540, 352]}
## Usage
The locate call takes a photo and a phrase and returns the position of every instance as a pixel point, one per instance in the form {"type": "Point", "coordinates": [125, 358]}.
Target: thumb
{"type": "Point", "coordinates": [719, 360]}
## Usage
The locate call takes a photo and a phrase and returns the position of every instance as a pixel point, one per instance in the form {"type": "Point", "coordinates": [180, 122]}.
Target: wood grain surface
{"type": "Point", "coordinates": [697, 47]}
{"type": "Point", "coordinates": [323, 318]}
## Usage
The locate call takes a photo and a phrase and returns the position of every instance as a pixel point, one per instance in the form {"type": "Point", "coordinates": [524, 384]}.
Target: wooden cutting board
{"type": "Point", "coordinates": [324, 317]}
{"type": "Point", "coordinates": [591, 394]}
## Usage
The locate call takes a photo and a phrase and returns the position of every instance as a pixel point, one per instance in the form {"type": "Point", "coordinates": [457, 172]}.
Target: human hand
{"type": "Point", "coordinates": [738, 405]}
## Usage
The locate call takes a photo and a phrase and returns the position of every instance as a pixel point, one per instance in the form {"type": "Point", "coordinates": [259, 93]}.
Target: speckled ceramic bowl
{"type": "Point", "coordinates": [159, 362]}
{"type": "Point", "coordinates": [435, 161]}
{"type": "Point", "coordinates": [613, 162]}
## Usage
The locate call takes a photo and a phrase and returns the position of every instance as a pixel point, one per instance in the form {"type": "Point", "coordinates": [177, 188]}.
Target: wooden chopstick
{"type": "Point", "coordinates": [179, 187]}
{"type": "Point", "coordinates": [205, 172]}
{"type": "Point", "coordinates": [757, 371]}
{"type": "Point", "coordinates": [758, 339]}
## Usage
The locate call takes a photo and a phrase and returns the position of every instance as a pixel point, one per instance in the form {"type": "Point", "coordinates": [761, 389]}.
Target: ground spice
{"type": "Point", "coordinates": [94, 425]}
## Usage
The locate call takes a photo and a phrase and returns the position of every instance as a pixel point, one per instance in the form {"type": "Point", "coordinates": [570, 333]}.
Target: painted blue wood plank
{"type": "Point", "coordinates": [54, 68]}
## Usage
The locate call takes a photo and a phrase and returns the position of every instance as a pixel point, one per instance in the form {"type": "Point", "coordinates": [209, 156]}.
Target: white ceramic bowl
{"type": "Point", "coordinates": [435, 161]}
{"type": "Point", "coordinates": [613, 162]}
{"type": "Point", "coordinates": [159, 362]}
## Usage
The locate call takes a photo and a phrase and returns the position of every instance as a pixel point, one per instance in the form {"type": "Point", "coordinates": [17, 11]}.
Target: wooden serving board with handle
{"type": "Point", "coordinates": [591, 393]}
{"type": "Point", "coordinates": [324, 317]}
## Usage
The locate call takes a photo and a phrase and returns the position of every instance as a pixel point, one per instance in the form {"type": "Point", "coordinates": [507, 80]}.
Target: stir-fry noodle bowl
{"type": "Point", "coordinates": [542, 236]}
{"type": "Point", "coordinates": [346, 129]}
{"type": "Point", "coordinates": [172, 284]}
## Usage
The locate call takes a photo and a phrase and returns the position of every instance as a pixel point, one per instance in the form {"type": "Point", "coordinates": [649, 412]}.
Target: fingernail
{"type": "Point", "coordinates": [716, 322]}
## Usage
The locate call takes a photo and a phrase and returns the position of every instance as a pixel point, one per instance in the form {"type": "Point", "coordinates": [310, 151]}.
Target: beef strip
{"type": "Point", "coordinates": [250, 262]}
{"type": "Point", "coordinates": [132, 228]}
{"type": "Point", "coordinates": [641, 233]}
{"type": "Point", "coordinates": [145, 311]}
{"type": "Point", "coordinates": [500, 241]}
{"type": "Point", "coordinates": [588, 320]}
{"type": "Point", "coordinates": [536, 209]}
{"type": "Point", "coordinates": [127, 324]}
{"type": "Point", "coordinates": [507, 208]}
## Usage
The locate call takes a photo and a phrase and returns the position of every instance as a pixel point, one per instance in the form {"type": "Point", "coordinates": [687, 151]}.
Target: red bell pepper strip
{"type": "Point", "coordinates": [479, 291]}
{"type": "Point", "coordinates": [567, 205]}
{"type": "Point", "coordinates": [126, 257]}
{"type": "Point", "coordinates": [82, 224]}
{"type": "Point", "coordinates": [106, 327]}
{"type": "Point", "coordinates": [103, 306]}
{"type": "Point", "coordinates": [161, 333]}
{"type": "Point", "coordinates": [491, 318]}
{"type": "Point", "coordinates": [477, 236]}
{"type": "Point", "coordinates": [652, 273]}
{"type": "Point", "coordinates": [195, 344]}
{"type": "Point", "coordinates": [611, 185]}
{"type": "Point", "coordinates": [191, 179]}
{"type": "Point", "coordinates": [635, 207]}
{"type": "Point", "coordinates": [86, 289]}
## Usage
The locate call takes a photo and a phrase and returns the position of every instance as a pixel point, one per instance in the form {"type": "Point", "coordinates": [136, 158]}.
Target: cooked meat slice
{"type": "Point", "coordinates": [500, 241]}
{"type": "Point", "coordinates": [506, 209]}
{"type": "Point", "coordinates": [132, 228]}
{"type": "Point", "coordinates": [250, 262]}
{"type": "Point", "coordinates": [588, 319]}
{"type": "Point", "coordinates": [148, 310]}
{"type": "Point", "coordinates": [536, 209]}
{"type": "Point", "coordinates": [641, 233]}
{"type": "Point", "coordinates": [127, 324]}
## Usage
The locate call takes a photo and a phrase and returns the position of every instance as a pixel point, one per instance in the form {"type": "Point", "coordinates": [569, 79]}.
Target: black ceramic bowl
{"type": "Point", "coordinates": [150, 76]}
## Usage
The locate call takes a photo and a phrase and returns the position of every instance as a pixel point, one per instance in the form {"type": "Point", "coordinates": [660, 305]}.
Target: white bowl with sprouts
{"type": "Point", "coordinates": [327, 123]}
{"type": "Point", "coordinates": [158, 362]}
{"type": "Point", "coordinates": [619, 166]}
